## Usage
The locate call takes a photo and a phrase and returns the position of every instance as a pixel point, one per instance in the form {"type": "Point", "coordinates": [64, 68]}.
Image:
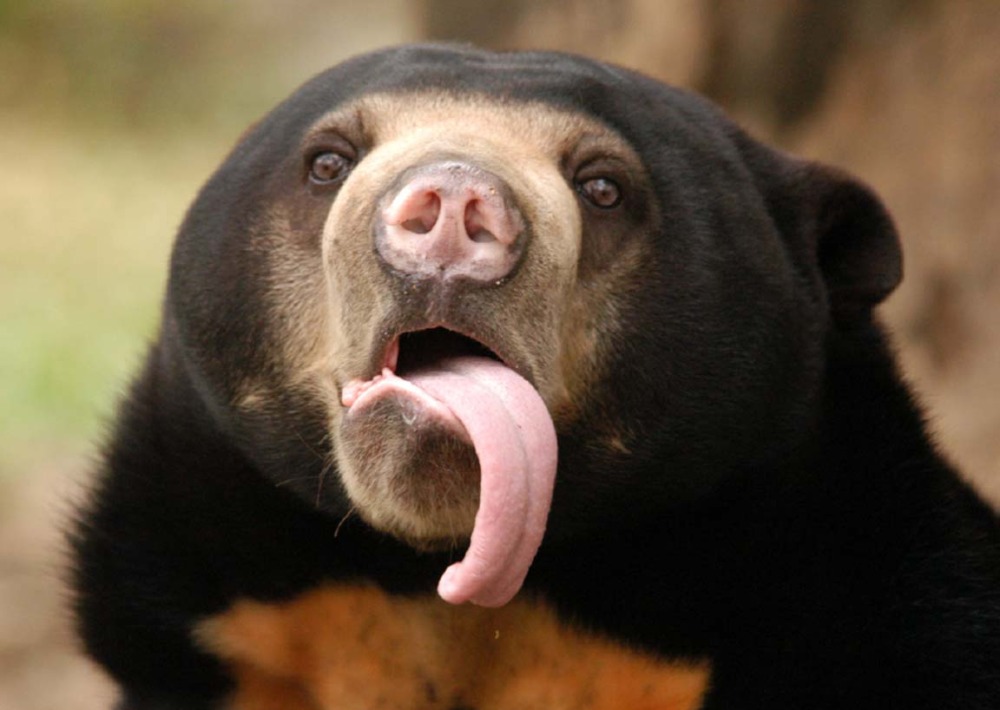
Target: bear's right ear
{"type": "Point", "coordinates": [856, 244]}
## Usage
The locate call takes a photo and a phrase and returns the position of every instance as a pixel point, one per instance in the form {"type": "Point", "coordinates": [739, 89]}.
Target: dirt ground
{"type": "Point", "coordinates": [40, 666]}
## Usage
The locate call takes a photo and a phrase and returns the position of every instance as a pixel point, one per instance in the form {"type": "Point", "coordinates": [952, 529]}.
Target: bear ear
{"type": "Point", "coordinates": [856, 243]}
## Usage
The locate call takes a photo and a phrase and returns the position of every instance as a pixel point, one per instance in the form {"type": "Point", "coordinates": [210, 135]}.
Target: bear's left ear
{"type": "Point", "coordinates": [856, 243]}
{"type": "Point", "coordinates": [832, 221]}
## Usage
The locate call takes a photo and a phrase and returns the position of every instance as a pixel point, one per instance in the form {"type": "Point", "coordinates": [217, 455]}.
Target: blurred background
{"type": "Point", "coordinates": [112, 112]}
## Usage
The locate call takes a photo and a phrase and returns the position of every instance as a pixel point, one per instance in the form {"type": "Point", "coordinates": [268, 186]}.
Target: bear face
{"type": "Point", "coordinates": [660, 284]}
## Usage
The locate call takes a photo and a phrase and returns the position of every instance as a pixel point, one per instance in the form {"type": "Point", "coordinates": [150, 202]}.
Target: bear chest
{"type": "Point", "coordinates": [357, 647]}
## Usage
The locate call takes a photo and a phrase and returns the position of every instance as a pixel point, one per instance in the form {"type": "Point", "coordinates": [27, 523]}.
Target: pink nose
{"type": "Point", "coordinates": [451, 219]}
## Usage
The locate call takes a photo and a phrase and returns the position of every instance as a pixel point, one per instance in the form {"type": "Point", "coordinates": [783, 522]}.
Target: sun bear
{"type": "Point", "coordinates": [501, 381]}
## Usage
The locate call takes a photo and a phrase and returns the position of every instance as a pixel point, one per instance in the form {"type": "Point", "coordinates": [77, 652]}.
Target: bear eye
{"type": "Point", "coordinates": [328, 167]}
{"type": "Point", "coordinates": [600, 192]}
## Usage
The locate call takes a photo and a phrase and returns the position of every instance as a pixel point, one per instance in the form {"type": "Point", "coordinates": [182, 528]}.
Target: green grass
{"type": "Point", "coordinates": [87, 222]}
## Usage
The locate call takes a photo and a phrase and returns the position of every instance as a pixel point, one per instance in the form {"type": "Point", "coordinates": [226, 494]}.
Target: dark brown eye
{"type": "Point", "coordinates": [601, 192]}
{"type": "Point", "coordinates": [328, 167]}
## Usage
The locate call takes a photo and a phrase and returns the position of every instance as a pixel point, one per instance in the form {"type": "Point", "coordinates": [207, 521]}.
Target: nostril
{"type": "Point", "coordinates": [475, 224]}
{"type": "Point", "coordinates": [417, 225]}
{"type": "Point", "coordinates": [420, 212]}
{"type": "Point", "coordinates": [482, 237]}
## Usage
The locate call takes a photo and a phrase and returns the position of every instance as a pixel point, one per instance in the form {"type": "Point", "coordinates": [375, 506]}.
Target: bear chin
{"type": "Point", "coordinates": [409, 472]}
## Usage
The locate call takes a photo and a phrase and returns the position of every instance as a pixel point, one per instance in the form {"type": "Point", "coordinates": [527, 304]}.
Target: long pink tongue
{"type": "Point", "coordinates": [515, 440]}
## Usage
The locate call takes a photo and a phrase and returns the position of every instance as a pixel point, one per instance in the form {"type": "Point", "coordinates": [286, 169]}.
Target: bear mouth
{"type": "Point", "coordinates": [423, 348]}
{"type": "Point", "coordinates": [415, 351]}
{"type": "Point", "coordinates": [448, 441]}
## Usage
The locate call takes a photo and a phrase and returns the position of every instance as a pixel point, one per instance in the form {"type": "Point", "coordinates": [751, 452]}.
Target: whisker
{"type": "Point", "coordinates": [321, 480]}
{"type": "Point", "coordinates": [343, 520]}
{"type": "Point", "coordinates": [305, 443]}
{"type": "Point", "coordinates": [293, 479]}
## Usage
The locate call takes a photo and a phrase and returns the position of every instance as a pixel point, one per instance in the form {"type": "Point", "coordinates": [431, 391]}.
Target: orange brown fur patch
{"type": "Point", "coordinates": [357, 647]}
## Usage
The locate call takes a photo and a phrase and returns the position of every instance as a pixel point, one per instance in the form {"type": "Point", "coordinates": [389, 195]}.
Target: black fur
{"type": "Point", "coordinates": [782, 513]}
